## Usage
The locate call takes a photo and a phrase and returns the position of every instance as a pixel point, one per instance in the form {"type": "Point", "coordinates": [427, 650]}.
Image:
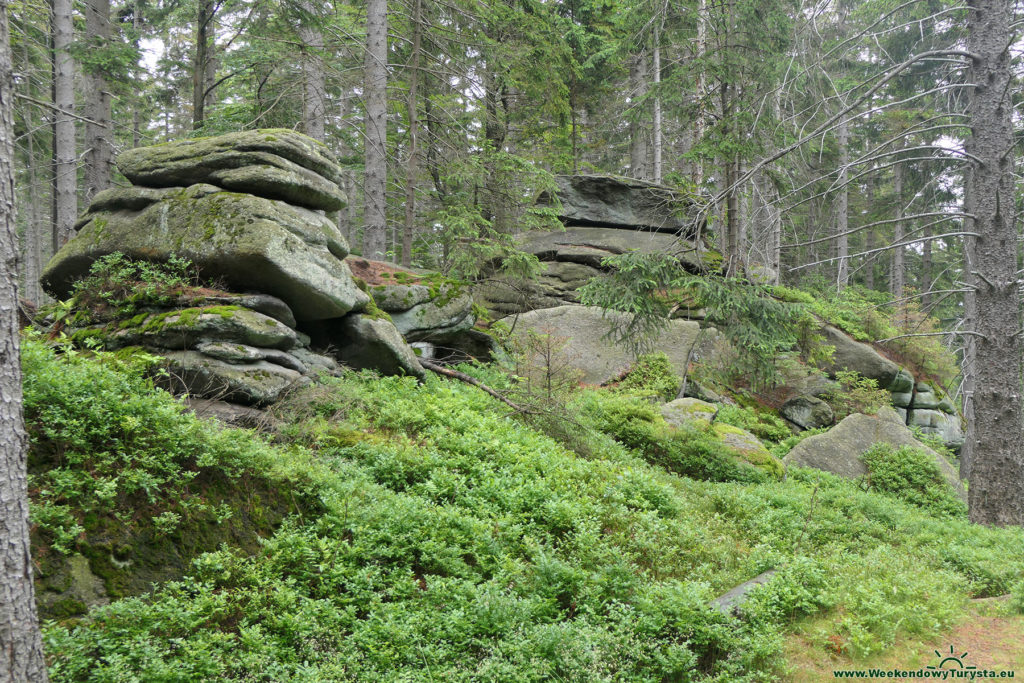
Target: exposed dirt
{"type": "Point", "coordinates": [991, 640]}
{"type": "Point", "coordinates": [378, 272]}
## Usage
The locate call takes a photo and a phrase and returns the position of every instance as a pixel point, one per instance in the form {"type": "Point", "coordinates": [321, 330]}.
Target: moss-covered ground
{"type": "Point", "coordinates": [422, 533]}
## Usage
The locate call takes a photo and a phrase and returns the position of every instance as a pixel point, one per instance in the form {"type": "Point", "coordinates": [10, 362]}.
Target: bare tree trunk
{"type": "Point", "coordinates": [99, 130]}
{"type": "Point", "coordinates": [772, 218]}
{"type": "Point", "coordinates": [970, 323]}
{"type": "Point", "coordinates": [656, 133]}
{"type": "Point", "coordinates": [204, 67]}
{"type": "Point", "coordinates": [314, 106]}
{"type": "Point", "coordinates": [996, 493]}
{"type": "Point", "coordinates": [137, 105]}
{"type": "Point", "coordinates": [899, 273]}
{"type": "Point", "coordinates": [495, 132]}
{"type": "Point", "coordinates": [65, 171]}
{"type": "Point", "coordinates": [700, 86]}
{"type": "Point", "coordinates": [637, 131]}
{"type": "Point", "coordinates": [869, 242]}
{"type": "Point", "coordinates": [412, 171]}
{"type": "Point", "coordinates": [21, 646]}
{"type": "Point", "coordinates": [842, 209]}
{"type": "Point", "coordinates": [376, 81]}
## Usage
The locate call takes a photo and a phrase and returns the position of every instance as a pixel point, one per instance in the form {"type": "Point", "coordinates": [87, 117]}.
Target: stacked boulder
{"type": "Point", "coordinates": [249, 210]}
{"type": "Point", "coordinates": [603, 216]}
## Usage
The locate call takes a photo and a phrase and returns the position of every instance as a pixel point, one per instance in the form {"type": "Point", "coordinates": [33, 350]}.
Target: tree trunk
{"type": "Point", "coordinates": [412, 170]}
{"type": "Point", "coordinates": [842, 210]}
{"type": "Point", "coordinates": [996, 492]}
{"type": "Point", "coordinates": [495, 132]}
{"type": "Point", "coordinates": [65, 171]}
{"type": "Point", "coordinates": [99, 130]}
{"type": "Point", "coordinates": [314, 106]}
{"type": "Point", "coordinates": [21, 645]}
{"type": "Point", "coordinates": [869, 241]}
{"type": "Point", "coordinates": [699, 87]}
{"type": "Point", "coordinates": [926, 270]}
{"type": "Point", "coordinates": [898, 277]}
{"type": "Point", "coordinates": [137, 104]}
{"type": "Point", "coordinates": [970, 324]}
{"type": "Point", "coordinates": [204, 67]}
{"type": "Point", "coordinates": [376, 81]}
{"type": "Point", "coordinates": [637, 131]}
{"type": "Point", "coordinates": [656, 133]}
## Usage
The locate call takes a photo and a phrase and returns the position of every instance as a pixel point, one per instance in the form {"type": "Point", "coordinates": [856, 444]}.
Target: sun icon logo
{"type": "Point", "coordinates": [953, 660]}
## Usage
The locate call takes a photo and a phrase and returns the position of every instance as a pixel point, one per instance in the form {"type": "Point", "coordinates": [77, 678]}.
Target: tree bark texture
{"type": "Point", "coordinates": [656, 131]}
{"type": "Point", "coordinates": [637, 131]}
{"type": "Point", "coordinates": [65, 170]}
{"type": "Point", "coordinates": [996, 492]}
{"type": "Point", "coordinates": [899, 273]}
{"type": "Point", "coordinates": [204, 66]}
{"type": "Point", "coordinates": [376, 81]}
{"type": "Point", "coordinates": [99, 129]}
{"type": "Point", "coordinates": [314, 98]}
{"type": "Point", "coordinates": [842, 210]}
{"type": "Point", "coordinates": [21, 646]}
{"type": "Point", "coordinates": [412, 169]}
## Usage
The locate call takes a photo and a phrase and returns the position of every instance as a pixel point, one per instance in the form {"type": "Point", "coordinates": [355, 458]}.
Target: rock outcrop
{"type": "Point", "coordinates": [247, 210]}
{"type": "Point", "coordinates": [582, 333]}
{"type": "Point", "coordinates": [838, 450]}
{"type": "Point", "coordinates": [603, 216]}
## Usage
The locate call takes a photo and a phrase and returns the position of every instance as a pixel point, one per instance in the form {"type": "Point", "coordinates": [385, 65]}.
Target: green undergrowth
{"type": "Point", "coordinates": [120, 474]}
{"type": "Point", "coordinates": [455, 543]}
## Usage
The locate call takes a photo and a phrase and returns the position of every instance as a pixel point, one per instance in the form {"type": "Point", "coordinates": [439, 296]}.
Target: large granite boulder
{"type": "Point", "coordinates": [276, 164]}
{"type": "Point", "coordinates": [584, 330]}
{"type": "Point", "coordinates": [944, 425]}
{"type": "Point", "coordinates": [619, 202]}
{"type": "Point", "coordinates": [365, 342]}
{"type": "Point", "coordinates": [248, 242]}
{"type": "Point", "coordinates": [188, 327]}
{"type": "Point", "coordinates": [838, 450]}
{"type": "Point", "coordinates": [807, 412]}
{"type": "Point", "coordinates": [858, 357]}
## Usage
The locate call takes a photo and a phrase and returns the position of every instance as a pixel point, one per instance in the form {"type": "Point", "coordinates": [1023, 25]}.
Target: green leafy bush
{"type": "Point", "coordinates": [911, 474]}
{"type": "Point", "coordinates": [856, 394]}
{"type": "Point", "coordinates": [762, 424]}
{"type": "Point", "coordinates": [118, 287]}
{"type": "Point", "coordinates": [652, 375]}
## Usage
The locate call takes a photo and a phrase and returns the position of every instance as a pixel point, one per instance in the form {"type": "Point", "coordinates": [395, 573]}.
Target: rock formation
{"type": "Point", "coordinates": [248, 210]}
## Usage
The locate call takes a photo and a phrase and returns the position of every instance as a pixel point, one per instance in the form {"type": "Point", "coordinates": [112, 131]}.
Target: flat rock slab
{"type": "Point", "coordinates": [589, 246]}
{"type": "Point", "coordinates": [729, 603]}
{"type": "Point", "coordinates": [838, 450]}
{"type": "Point", "coordinates": [276, 164]}
{"type": "Point", "coordinates": [619, 202]}
{"type": "Point", "coordinates": [586, 347]}
{"type": "Point", "coordinates": [188, 327]}
{"type": "Point", "coordinates": [257, 384]}
{"type": "Point", "coordinates": [249, 242]}
{"type": "Point", "coordinates": [807, 412]}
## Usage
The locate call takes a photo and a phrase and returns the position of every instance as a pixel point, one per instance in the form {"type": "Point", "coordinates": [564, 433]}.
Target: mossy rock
{"type": "Point", "coordinates": [258, 383]}
{"type": "Point", "coordinates": [683, 411]}
{"type": "Point", "coordinates": [248, 242]}
{"type": "Point", "coordinates": [185, 328]}
{"type": "Point", "coordinates": [749, 448]}
{"type": "Point", "coordinates": [279, 164]}
{"type": "Point", "coordinates": [363, 342]}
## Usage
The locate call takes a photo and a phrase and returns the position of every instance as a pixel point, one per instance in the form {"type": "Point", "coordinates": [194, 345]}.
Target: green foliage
{"type": "Point", "coordinates": [105, 443]}
{"type": "Point", "coordinates": [649, 285]}
{"type": "Point", "coordinates": [761, 423]}
{"type": "Point", "coordinates": [911, 474]}
{"type": "Point", "coordinates": [692, 451]}
{"type": "Point", "coordinates": [455, 543]}
{"type": "Point", "coordinates": [856, 394]}
{"type": "Point", "coordinates": [119, 287]}
{"type": "Point", "coordinates": [782, 448]}
{"type": "Point", "coordinates": [652, 375]}
{"type": "Point", "coordinates": [868, 316]}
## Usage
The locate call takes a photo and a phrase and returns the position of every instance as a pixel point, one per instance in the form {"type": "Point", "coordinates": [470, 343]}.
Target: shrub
{"type": "Point", "coordinates": [118, 287]}
{"type": "Point", "coordinates": [911, 474]}
{"type": "Point", "coordinates": [652, 375]}
{"type": "Point", "coordinates": [762, 424]}
{"type": "Point", "coordinates": [856, 394]}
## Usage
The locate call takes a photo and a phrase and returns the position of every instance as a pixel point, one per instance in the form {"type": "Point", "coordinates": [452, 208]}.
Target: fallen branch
{"type": "Point", "coordinates": [463, 377]}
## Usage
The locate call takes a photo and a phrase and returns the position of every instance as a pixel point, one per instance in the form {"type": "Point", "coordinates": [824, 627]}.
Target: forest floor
{"type": "Point", "coordinates": [991, 638]}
